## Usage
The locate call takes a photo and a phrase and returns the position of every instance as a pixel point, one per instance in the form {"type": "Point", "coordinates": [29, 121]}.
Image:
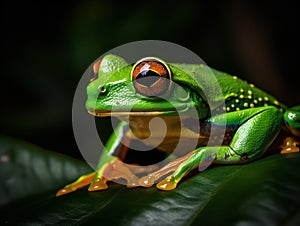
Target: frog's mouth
{"type": "Point", "coordinates": [132, 113]}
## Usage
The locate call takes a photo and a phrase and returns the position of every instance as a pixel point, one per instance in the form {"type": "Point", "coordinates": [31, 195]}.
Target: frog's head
{"type": "Point", "coordinates": [147, 87]}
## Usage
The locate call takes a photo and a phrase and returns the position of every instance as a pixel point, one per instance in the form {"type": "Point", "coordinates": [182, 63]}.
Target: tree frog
{"type": "Point", "coordinates": [251, 118]}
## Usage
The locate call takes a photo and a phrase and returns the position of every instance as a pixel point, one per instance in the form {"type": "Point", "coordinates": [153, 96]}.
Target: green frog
{"type": "Point", "coordinates": [151, 88]}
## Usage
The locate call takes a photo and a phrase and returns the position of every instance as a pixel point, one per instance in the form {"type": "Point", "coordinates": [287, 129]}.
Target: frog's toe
{"type": "Point", "coordinates": [64, 191]}
{"type": "Point", "coordinates": [290, 149]}
{"type": "Point", "coordinates": [147, 181]}
{"type": "Point", "coordinates": [289, 145]}
{"type": "Point", "coordinates": [133, 182]}
{"type": "Point", "coordinates": [167, 184]}
{"type": "Point", "coordinates": [97, 185]}
{"type": "Point", "coordinates": [79, 183]}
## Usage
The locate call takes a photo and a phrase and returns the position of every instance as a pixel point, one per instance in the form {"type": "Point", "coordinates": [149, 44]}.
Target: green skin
{"type": "Point", "coordinates": [255, 116]}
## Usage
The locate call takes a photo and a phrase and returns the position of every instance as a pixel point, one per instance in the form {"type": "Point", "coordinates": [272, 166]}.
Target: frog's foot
{"type": "Point", "coordinates": [149, 180]}
{"type": "Point", "coordinates": [113, 171]}
{"type": "Point", "coordinates": [202, 158]}
{"type": "Point", "coordinates": [79, 183]}
{"type": "Point", "coordinates": [167, 184]}
{"type": "Point", "coordinates": [98, 184]}
{"type": "Point", "coordinates": [289, 145]}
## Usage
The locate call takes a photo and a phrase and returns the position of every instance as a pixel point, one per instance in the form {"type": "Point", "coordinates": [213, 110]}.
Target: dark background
{"type": "Point", "coordinates": [46, 47]}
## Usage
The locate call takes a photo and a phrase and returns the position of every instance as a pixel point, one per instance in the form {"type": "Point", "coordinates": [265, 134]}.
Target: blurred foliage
{"type": "Point", "coordinates": [47, 45]}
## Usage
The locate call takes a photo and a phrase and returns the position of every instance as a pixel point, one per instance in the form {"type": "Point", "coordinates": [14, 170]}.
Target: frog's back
{"type": "Point", "coordinates": [236, 93]}
{"type": "Point", "coordinates": [240, 94]}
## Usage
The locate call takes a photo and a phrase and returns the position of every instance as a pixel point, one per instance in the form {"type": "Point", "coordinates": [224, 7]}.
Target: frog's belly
{"type": "Point", "coordinates": [169, 134]}
{"type": "Point", "coordinates": [181, 142]}
{"type": "Point", "coordinates": [165, 133]}
{"type": "Point", "coordinates": [180, 146]}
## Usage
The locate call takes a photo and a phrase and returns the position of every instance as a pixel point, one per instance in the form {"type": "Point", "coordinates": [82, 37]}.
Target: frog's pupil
{"type": "Point", "coordinates": [147, 77]}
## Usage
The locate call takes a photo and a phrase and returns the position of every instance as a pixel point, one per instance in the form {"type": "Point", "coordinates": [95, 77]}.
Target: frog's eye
{"type": "Point", "coordinates": [151, 77]}
{"type": "Point", "coordinates": [95, 71]}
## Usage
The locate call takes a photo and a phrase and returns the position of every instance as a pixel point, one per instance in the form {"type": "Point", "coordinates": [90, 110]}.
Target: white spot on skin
{"type": "Point", "coordinates": [241, 90]}
{"type": "Point", "coordinates": [266, 98]}
{"type": "Point", "coordinates": [252, 105]}
{"type": "Point", "coordinates": [234, 77]}
{"type": "Point", "coordinates": [237, 100]}
{"type": "Point", "coordinates": [246, 105]}
{"type": "Point", "coordinates": [237, 109]}
{"type": "Point", "coordinates": [255, 101]}
{"type": "Point", "coordinates": [251, 85]}
{"type": "Point", "coordinates": [227, 108]}
{"type": "Point", "coordinates": [249, 92]}
{"type": "Point", "coordinates": [241, 96]}
{"type": "Point", "coordinates": [232, 105]}
{"type": "Point", "coordinates": [276, 102]}
{"type": "Point", "coordinates": [260, 99]}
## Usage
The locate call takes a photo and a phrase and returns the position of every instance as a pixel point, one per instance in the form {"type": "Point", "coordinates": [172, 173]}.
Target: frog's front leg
{"type": "Point", "coordinates": [110, 166]}
{"type": "Point", "coordinates": [106, 164]}
{"type": "Point", "coordinates": [257, 128]}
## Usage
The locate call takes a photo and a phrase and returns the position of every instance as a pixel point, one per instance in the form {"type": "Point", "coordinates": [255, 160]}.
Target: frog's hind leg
{"type": "Point", "coordinates": [252, 138]}
{"type": "Point", "coordinates": [202, 157]}
{"type": "Point", "coordinates": [79, 183]}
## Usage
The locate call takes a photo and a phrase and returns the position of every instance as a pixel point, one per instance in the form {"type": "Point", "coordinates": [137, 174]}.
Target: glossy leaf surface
{"type": "Point", "coordinates": [265, 192]}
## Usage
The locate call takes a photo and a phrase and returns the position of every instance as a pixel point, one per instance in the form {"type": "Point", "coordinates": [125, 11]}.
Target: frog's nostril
{"type": "Point", "coordinates": [102, 89]}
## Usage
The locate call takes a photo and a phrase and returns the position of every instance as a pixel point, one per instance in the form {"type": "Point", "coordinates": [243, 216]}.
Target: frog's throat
{"type": "Point", "coordinates": [130, 113]}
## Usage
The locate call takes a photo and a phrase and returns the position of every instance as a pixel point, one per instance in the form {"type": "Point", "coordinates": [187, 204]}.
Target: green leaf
{"type": "Point", "coordinates": [27, 170]}
{"type": "Point", "coordinates": [265, 192]}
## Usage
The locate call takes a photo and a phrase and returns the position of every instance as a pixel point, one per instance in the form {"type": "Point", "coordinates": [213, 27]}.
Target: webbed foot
{"type": "Point", "coordinates": [118, 170]}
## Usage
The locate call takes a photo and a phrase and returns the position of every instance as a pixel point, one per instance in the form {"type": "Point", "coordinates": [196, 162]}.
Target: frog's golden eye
{"type": "Point", "coordinates": [151, 77]}
{"type": "Point", "coordinates": [94, 74]}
